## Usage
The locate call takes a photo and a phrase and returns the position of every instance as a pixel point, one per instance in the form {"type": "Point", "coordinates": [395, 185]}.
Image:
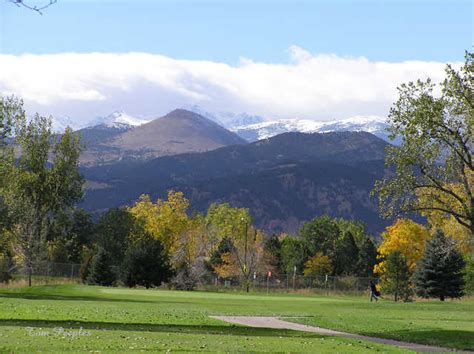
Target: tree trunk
{"type": "Point", "coordinates": [29, 276]}
{"type": "Point", "coordinates": [441, 297]}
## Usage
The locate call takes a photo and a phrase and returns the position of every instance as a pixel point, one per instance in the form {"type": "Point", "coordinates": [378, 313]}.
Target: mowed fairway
{"type": "Point", "coordinates": [119, 319]}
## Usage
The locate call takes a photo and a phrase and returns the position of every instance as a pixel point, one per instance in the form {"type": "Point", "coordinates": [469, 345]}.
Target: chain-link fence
{"type": "Point", "coordinates": [295, 282]}
{"type": "Point", "coordinates": [42, 273]}
{"type": "Point", "coordinates": [48, 272]}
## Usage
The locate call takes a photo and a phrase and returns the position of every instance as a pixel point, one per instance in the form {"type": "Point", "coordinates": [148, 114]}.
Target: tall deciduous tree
{"type": "Point", "coordinates": [404, 236]}
{"type": "Point", "coordinates": [435, 159]}
{"type": "Point", "coordinates": [247, 242]}
{"type": "Point", "coordinates": [44, 181]}
{"type": "Point", "coordinates": [321, 235]}
{"type": "Point", "coordinates": [165, 220]}
{"type": "Point", "coordinates": [11, 110]}
{"type": "Point", "coordinates": [293, 254]}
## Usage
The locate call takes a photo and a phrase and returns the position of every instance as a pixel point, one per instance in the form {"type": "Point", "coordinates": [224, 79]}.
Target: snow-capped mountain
{"type": "Point", "coordinates": [373, 124]}
{"type": "Point", "coordinates": [228, 120]}
{"type": "Point", "coordinates": [117, 119]}
{"type": "Point", "coordinates": [254, 127]}
{"type": "Point", "coordinates": [59, 124]}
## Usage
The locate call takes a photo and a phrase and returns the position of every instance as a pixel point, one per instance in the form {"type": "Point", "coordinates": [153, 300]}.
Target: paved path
{"type": "Point", "coordinates": [274, 322]}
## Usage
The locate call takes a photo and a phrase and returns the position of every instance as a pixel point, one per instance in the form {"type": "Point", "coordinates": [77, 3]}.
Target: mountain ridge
{"type": "Point", "coordinates": [284, 180]}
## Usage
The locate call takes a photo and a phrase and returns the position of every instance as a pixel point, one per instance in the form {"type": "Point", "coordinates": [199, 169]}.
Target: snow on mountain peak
{"type": "Point", "coordinates": [228, 120]}
{"type": "Point", "coordinates": [372, 124]}
{"type": "Point", "coordinates": [59, 124]}
{"type": "Point", "coordinates": [118, 119]}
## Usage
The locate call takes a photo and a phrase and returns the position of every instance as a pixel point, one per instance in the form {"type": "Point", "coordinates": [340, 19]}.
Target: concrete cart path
{"type": "Point", "coordinates": [275, 322]}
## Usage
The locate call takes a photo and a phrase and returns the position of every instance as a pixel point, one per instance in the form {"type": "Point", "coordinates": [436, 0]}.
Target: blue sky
{"type": "Point", "coordinates": [226, 30]}
{"type": "Point", "coordinates": [279, 59]}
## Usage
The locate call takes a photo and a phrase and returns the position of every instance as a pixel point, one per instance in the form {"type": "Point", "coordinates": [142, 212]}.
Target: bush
{"type": "Point", "coordinates": [317, 266]}
{"type": "Point", "coordinates": [184, 279]}
{"type": "Point", "coordinates": [146, 264]}
{"type": "Point", "coordinates": [101, 271]}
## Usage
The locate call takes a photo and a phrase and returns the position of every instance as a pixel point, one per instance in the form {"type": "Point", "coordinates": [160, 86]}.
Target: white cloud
{"type": "Point", "coordinates": [308, 86]}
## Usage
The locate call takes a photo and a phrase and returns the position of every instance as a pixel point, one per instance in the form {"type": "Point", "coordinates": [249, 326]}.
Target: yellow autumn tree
{"type": "Point", "coordinates": [405, 236]}
{"type": "Point", "coordinates": [165, 220]}
{"type": "Point", "coordinates": [194, 244]}
{"type": "Point", "coordinates": [438, 219]}
{"type": "Point", "coordinates": [317, 266]}
{"type": "Point", "coordinates": [235, 224]}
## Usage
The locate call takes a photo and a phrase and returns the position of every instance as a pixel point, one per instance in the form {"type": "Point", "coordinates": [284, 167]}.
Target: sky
{"type": "Point", "coordinates": [279, 59]}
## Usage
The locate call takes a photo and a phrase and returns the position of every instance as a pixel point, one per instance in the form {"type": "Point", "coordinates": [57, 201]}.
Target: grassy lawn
{"type": "Point", "coordinates": [133, 320]}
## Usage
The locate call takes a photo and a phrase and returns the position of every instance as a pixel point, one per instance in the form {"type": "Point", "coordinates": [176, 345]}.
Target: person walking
{"type": "Point", "coordinates": [374, 293]}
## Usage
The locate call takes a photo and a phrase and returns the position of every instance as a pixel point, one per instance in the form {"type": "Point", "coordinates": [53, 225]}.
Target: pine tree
{"type": "Point", "coordinates": [367, 258]}
{"type": "Point", "coordinates": [396, 278]}
{"type": "Point", "coordinates": [101, 272]}
{"type": "Point", "coordinates": [439, 274]}
{"type": "Point", "coordinates": [346, 255]}
{"type": "Point", "coordinates": [146, 264]}
{"type": "Point", "coordinates": [225, 246]}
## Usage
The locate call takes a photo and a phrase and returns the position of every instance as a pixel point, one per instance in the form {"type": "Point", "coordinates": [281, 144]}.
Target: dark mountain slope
{"type": "Point", "coordinates": [283, 180]}
{"type": "Point", "coordinates": [345, 147]}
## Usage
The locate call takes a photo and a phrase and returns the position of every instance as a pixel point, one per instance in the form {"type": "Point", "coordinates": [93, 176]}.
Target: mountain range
{"type": "Point", "coordinates": [263, 130]}
{"type": "Point", "coordinates": [285, 177]}
{"type": "Point", "coordinates": [247, 126]}
{"type": "Point", "coordinates": [283, 180]}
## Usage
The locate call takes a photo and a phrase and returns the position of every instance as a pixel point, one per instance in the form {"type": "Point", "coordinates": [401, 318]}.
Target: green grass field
{"type": "Point", "coordinates": [119, 319]}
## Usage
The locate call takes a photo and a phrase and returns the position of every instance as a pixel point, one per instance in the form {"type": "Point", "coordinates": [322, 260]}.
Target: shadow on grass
{"type": "Point", "coordinates": [458, 339]}
{"type": "Point", "coordinates": [39, 296]}
{"type": "Point", "coordinates": [165, 328]}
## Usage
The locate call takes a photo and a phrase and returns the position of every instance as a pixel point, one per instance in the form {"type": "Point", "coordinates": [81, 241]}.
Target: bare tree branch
{"type": "Point", "coordinates": [38, 9]}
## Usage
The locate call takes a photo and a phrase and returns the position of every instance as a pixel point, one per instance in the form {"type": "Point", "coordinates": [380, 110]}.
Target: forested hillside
{"type": "Point", "coordinates": [284, 180]}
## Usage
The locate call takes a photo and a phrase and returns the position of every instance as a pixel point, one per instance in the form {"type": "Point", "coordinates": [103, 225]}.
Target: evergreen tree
{"type": "Point", "coordinates": [367, 258]}
{"type": "Point", "coordinates": [146, 263]}
{"type": "Point", "coordinates": [439, 274]}
{"type": "Point", "coordinates": [346, 255]}
{"type": "Point", "coordinates": [225, 246]}
{"type": "Point", "coordinates": [101, 272]}
{"type": "Point", "coordinates": [113, 230]}
{"type": "Point", "coordinates": [396, 278]}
